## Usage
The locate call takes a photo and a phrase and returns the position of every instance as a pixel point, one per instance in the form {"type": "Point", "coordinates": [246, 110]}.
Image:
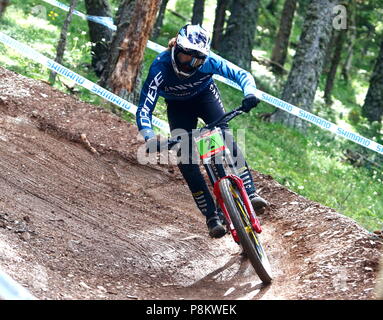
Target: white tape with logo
{"type": "Point", "coordinates": [320, 122]}
{"type": "Point", "coordinates": [108, 22]}
{"type": "Point", "coordinates": [58, 68]}
{"type": "Point", "coordinates": [300, 113]}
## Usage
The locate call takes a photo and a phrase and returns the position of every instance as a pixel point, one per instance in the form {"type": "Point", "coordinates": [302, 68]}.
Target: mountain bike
{"type": "Point", "coordinates": [228, 188]}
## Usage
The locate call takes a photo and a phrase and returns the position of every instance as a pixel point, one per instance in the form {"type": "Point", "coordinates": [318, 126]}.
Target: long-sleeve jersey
{"type": "Point", "coordinates": [163, 81]}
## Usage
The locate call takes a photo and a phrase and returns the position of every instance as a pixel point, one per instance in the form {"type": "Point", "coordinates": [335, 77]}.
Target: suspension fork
{"type": "Point", "coordinates": [221, 203]}
{"type": "Point", "coordinates": [249, 208]}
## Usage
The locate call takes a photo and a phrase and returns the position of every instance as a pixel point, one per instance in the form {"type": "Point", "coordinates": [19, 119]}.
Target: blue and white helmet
{"type": "Point", "coordinates": [192, 40]}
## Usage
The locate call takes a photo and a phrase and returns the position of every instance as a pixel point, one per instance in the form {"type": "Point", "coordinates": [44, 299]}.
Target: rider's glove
{"type": "Point", "coordinates": [152, 145]}
{"type": "Point", "coordinates": [249, 102]}
{"type": "Point", "coordinates": [158, 144]}
{"type": "Point", "coordinates": [147, 133]}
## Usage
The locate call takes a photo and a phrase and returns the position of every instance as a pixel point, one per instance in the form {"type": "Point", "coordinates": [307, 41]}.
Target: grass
{"type": "Point", "coordinates": [310, 164]}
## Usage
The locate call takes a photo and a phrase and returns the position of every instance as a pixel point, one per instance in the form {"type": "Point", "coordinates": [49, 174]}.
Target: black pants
{"type": "Point", "coordinates": [184, 115]}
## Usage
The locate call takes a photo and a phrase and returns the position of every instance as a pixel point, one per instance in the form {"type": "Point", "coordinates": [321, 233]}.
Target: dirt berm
{"type": "Point", "coordinates": [80, 218]}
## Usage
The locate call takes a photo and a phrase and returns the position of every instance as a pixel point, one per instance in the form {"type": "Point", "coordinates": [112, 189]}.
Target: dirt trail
{"type": "Point", "coordinates": [80, 218]}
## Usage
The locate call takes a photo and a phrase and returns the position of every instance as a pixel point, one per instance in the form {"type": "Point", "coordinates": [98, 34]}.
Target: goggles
{"type": "Point", "coordinates": [197, 60]}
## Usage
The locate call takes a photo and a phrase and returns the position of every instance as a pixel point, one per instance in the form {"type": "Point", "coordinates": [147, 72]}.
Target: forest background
{"type": "Point", "coordinates": [274, 39]}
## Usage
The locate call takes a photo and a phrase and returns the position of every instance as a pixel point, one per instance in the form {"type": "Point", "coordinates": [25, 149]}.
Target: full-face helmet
{"type": "Point", "coordinates": [191, 48]}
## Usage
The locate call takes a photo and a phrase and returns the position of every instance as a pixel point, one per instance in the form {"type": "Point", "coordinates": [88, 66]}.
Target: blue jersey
{"type": "Point", "coordinates": [163, 81]}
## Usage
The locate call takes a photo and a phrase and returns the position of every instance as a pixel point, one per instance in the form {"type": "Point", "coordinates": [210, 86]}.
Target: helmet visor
{"type": "Point", "coordinates": [189, 59]}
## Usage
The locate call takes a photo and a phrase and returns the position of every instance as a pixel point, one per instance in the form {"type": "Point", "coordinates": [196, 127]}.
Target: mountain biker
{"type": "Point", "coordinates": [183, 76]}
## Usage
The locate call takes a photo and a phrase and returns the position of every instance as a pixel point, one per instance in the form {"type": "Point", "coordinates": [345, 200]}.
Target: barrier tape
{"type": "Point", "coordinates": [69, 74]}
{"type": "Point", "coordinates": [11, 290]}
{"type": "Point", "coordinates": [320, 122]}
{"type": "Point", "coordinates": [108, 22]}
{"type": "Point", "coordinates": [298, 112]}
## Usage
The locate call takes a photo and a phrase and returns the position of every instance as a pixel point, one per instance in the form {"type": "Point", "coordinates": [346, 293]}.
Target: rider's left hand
{"type": "Point", "coordinates": [156, 144]}
{"type": "Point", "coordinates": [249, 102]}
{"type": "Point", "coordinates": [152, 145]}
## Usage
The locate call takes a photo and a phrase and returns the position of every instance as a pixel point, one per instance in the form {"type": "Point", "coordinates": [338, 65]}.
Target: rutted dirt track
{"type": "Point", "coordinates": [80, 218]}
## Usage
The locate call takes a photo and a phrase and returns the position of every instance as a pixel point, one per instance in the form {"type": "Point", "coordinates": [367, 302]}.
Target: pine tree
{"type": "Point", "coordinates": [122, 21]}
{"type": "Point", "coordinates": [373, 104]}
{"type": "Point", "coordinates": [160, 19]}
{"type": "Point", "coordinates": [198, 11]}
{"type": "Point", "coordinates": [100, 35]}
{"type": "Point", "coordinates": [62, 41]}
{"type": "Point", "coordinates": [219, 23]}
{"type": "Point", "coordinates": [3, 5]}
{"type": "Point", "coordinates": [351, 39]}
{"type": "Point", "coordinates": [238, 40]}
{"type": "Point", "coordinates": [135, 20]}
{"type": "Point", "coordinates": [340, 38]}
{"type": "Point", "coordinates": [307, 65]}
{"type": "Point", "coordinates": [282, 42]}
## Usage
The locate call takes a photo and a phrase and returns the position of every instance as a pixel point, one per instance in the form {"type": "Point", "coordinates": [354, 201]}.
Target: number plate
{"type": "Point", "coordinates": [210, 143]}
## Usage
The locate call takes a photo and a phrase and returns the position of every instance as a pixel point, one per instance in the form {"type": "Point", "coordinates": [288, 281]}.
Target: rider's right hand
{"type": "Point", "coordinates": [249, 102]}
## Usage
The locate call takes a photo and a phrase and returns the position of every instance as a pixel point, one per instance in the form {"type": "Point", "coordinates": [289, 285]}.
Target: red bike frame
{"type": "Point", "coordinates": [249, 208]}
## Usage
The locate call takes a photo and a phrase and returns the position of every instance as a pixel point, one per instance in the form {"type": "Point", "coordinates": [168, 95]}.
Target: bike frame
{"type": "Point", "coordinates": [211, 145]}
{"type": "Point", "coordinates": [208, 158]}
{"type": "Point", "coordinates": [216, 174]}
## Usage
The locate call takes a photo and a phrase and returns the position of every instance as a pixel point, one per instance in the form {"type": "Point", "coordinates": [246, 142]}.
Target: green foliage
{"type": "Point", "coordinates": [185, 8]}
{"type": "Point", "coordinates": [312, 164]}
{"type": "Point", "coordinates": [354, 117]}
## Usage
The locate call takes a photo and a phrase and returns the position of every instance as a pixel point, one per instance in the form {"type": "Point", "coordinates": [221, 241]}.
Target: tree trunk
{"type": "Point", "coordinates": [373, 104]}
{"type": "Point", "coordinates": [122, 21]}
{"type": "Point", "coordinates": [282, 43]}
{"type": "Point", "coordinates": [100, 35]}
{"type": "Point", "coordinates": [329, 52]}
{"type": "Point", "coordinates": [3, 5]}
{"type": "Point", "coordinates": [340, 38]}
{"type": "Point", "coordinates": [160, 19]}
{"type": "Point", "coordinates": [198, 10]}
{"type": "Point", "coordinates": [136, 20]}
{"type": "Point", "coordinates": [307, 66]}
{"type": "Point", "coordinates": [237, 43]}
{"type": "Point", "coordinates": [351, 35]}
{"type": "Point", "coordinates": [133, 46]}
{"type": "Point", "coordinates": [62, 41]}
{"type": "Point", "coordinates": [219, 23]}
{"type": "Point", "coordinates": [346, 67]}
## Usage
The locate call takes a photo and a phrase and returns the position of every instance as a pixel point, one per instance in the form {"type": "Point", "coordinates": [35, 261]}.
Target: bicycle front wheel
{"type": "Point", "coordinates": [248, 237]}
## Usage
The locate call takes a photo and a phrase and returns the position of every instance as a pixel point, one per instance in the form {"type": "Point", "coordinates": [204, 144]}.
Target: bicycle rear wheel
{"type": "Point", "coordinates": [247, 236]}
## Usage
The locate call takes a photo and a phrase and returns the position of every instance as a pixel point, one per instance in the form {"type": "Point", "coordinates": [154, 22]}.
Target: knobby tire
{"type": "Point", "coordinates": [248, 239]}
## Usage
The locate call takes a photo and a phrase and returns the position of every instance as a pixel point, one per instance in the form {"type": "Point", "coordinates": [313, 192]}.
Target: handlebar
{"type": "Point", "coordinates": [228, 116]}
